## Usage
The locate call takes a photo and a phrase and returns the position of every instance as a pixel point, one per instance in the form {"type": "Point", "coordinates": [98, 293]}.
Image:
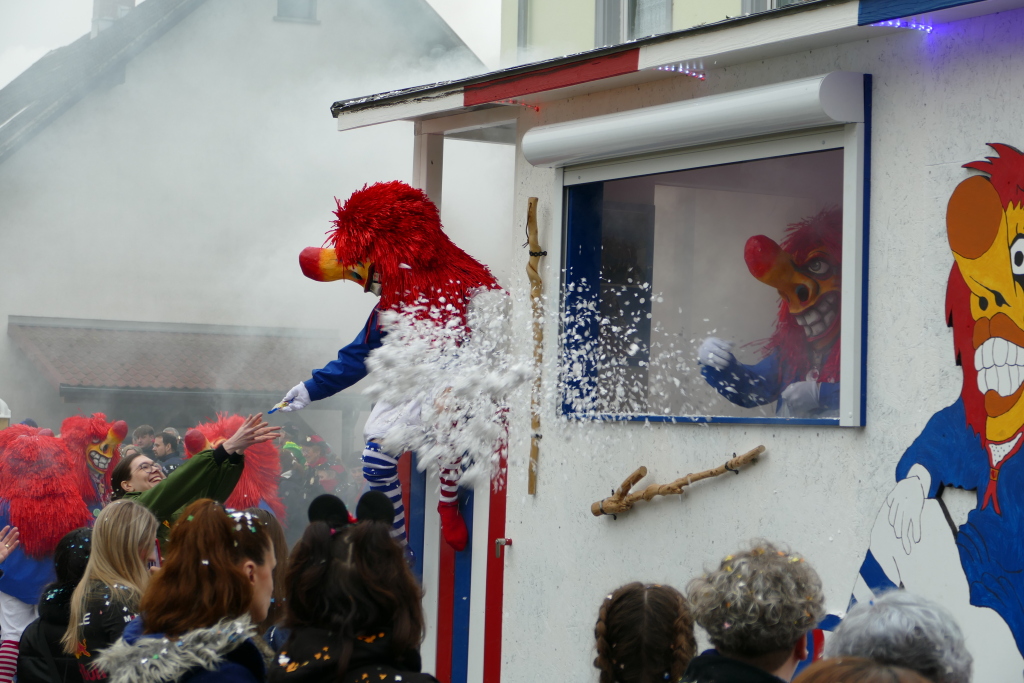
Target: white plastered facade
{"type": "Point", "coordinates": [937, 99]}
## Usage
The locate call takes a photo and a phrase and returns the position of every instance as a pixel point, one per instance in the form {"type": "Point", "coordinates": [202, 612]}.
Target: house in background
{"type": "Point", "coordinates": [532, 30]}
{"type": "Point", "coordinates": [144, 211]}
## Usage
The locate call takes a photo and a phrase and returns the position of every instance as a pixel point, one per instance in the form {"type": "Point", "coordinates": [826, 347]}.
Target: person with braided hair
{"type": "Point", "coordinates": [644, 635]}
{"type": "Point", "coordinates": [757, 609]}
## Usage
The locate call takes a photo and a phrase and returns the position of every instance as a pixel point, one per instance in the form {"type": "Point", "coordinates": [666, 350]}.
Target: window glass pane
{"type": "Point", "coordinates": [649, 17]}
{"type": "Point", "coordinates": [297, 9]}
{"type": "Point", "coordinates": [748, 253]}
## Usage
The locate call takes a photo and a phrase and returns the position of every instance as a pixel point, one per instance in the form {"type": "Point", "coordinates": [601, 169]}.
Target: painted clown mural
{"type": "Point", "coordinates": [973, 445]}
{"type": "Point", "coordinates": [800, 369]}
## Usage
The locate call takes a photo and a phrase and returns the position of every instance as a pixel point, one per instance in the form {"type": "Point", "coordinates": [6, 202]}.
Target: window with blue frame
{"type": "Point", "coordinates": [709, 293]}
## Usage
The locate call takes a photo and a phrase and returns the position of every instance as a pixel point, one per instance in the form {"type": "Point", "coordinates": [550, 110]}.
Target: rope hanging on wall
{"type": "Point", "coordinates": [537, 312]}
{"type": "Point", "coordinates": [622, 500]}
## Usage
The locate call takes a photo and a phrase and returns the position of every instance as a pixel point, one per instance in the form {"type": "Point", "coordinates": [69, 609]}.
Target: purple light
{"type": "Point", "coordinates": [681, 69]}
{"type": "Point", "coordinates": [903, 23]}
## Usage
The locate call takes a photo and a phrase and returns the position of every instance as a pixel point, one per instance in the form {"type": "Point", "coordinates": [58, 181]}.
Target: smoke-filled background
{"type": "Point", "coordinates": [179, 181]}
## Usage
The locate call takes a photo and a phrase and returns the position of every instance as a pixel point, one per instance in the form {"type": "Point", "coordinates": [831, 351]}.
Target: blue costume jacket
{"type": "Point", "coordinates": [24, 577]}
{"type": "Point", "coordinates": [756, 385]}
{"type": "Point", "coordinates": [991, 551]}
{"type": "Point", "coordinates": [350, 366]}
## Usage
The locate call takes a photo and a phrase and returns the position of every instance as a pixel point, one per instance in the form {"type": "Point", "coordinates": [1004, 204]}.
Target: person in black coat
{"type": "Point", "coordinates": [757, 609]}
{"type": "Point", "coordinates": [353, 608]}
{"type": "Point", "coordinates": [41, 658]}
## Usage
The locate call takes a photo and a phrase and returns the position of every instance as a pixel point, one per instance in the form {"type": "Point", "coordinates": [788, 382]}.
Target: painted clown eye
{"type": "Point", "coordinates": [1017, 255]}
{"type": "Point", "coordinates": [818, 267]}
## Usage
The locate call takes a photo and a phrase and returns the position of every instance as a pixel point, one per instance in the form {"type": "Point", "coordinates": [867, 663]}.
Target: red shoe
{"type": "Point", "coordinates": [453, 528]}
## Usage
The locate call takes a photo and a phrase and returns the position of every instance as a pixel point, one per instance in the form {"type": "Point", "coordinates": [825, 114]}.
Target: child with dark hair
{"type": "Point", "coordinates": [41, 658]}
{"type": "Point", "coordinates": [353, 608]}
{"type": "Point", "coordinates": [644, 635]}
{"type": "Point", "coordinates": [199, 612]}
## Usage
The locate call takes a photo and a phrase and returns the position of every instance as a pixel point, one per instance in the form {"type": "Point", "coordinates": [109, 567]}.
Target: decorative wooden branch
{"type": "Point", "coordinates": [537, 311]}
{"type": "Point", "coordinates": [622, 500]}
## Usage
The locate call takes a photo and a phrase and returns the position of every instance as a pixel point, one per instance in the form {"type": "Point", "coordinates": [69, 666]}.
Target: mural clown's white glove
{"type": "Point", "coordinates": [906, 503]}
{"type": "Point", "coordinates": [801, 397]}
{"type": "Point", "coordinates": [297, 398]}
{"type": "Point", "coordinates": [715, 352]}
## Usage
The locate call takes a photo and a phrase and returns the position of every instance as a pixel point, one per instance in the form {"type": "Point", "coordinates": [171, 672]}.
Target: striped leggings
{"type": "Point", "coordinates": [381, 472]}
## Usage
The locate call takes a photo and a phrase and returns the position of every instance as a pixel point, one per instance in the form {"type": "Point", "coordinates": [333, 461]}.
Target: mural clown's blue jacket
{"type": "Point", "coordinates": [990, 546]}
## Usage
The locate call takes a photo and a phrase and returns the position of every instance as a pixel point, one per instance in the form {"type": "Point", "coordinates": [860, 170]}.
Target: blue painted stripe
{"type": "Point", "coordinates": [463, 583]}
{"type": "Point", "coordinates": [417, 504]}
{"type": "Point", "coordinates": [871, 11]}
{"type": "Point", "coordinates": [874, 576]}
{"type": "Point", "coordinates": [696, 419]}
{"type": "Point", "coordinates": [830, 622]}
{"type": "Point", "coordinates": [865, 251]}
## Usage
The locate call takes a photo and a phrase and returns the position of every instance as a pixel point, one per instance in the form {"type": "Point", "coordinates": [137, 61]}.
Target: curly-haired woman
{"type": "Point", "coordinates": [644, 634]}
{"type": "Point", "coordinates": [757, 608]}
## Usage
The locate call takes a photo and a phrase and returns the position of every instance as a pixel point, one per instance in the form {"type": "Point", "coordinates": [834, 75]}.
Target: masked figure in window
{"type": "Point", "coordinates": [800, 369]}
{"type": "Point", "coordinates": [388, 239]}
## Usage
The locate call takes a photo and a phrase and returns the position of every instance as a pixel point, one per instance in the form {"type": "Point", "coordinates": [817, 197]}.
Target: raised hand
{"type": "Point", "coordinates": [253, 431]}
{"type": "Point", "coordinates": [716, 352]}
{"type": "Point", "coordinates": [8, 541]}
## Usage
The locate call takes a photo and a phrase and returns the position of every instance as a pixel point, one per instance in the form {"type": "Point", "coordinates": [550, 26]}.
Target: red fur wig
{"type": "Point", "coordinates": [262, 464]}
{"type": "Point", "coordinates": [824, 229]}
{"type": "Point", "coordinates": [46, 482]}
{"type": "Point", "coordinates": [398, 228]}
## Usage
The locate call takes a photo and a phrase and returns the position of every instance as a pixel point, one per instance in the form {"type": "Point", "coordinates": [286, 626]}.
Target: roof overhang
{"type": "Point", "coordinates": [806, 26]}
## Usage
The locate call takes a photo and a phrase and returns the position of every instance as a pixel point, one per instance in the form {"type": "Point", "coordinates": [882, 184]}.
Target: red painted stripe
{"type": "Point", "coordinates": [819, 643]}
{"type": "Point", "coordinates": [551, 78]}
{"type": "Point", "coordinates": [445, 611]}
{"type": "Point", "coordinates": [495, 588]}
{"type": "Point", "coordinates": [404, 478]}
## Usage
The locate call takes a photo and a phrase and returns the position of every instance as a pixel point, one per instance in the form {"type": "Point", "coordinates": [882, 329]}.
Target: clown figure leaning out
{"type": "Point", "coordinates": [388, 238]}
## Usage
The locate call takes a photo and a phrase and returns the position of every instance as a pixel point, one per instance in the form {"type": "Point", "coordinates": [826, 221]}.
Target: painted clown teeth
{"type": "Point", "coordinates": [1000, 366]}
{"type": "Point", "coordinates": [98, 461]}
{"type": "Point", "coordinates": [818, 318]}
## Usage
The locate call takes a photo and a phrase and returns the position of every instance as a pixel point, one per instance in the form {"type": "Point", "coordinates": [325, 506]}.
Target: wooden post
{"type": "Point", "coordinates": [537, 313]}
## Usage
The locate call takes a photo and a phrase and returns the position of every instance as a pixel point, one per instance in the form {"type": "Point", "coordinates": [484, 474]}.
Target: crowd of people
{"type": "Point", "coordinates": [757, 608]}
{"type": "Point", "coordinates": [170, 585]}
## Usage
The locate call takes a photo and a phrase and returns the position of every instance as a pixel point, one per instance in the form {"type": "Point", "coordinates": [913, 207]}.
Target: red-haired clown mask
{"type": "Point", "coordinates": [809, 284]}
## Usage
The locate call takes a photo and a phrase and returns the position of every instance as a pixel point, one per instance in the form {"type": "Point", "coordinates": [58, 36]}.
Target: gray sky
{"type": "Point", "coordinates": [31, 28]}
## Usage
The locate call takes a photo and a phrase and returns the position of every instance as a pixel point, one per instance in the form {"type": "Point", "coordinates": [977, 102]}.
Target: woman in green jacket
{"type": "Point", "coordinates": [208, 474]}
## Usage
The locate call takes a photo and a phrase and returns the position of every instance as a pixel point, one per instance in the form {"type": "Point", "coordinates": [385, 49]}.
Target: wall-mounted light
{"type": "Point", "coordinates": [903, 23]}
{"type": "Point", "coordinates": [682, 69]}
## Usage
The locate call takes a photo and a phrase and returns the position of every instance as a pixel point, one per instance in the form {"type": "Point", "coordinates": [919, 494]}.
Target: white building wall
{"type": "Point", "coordinates": [937, 100]}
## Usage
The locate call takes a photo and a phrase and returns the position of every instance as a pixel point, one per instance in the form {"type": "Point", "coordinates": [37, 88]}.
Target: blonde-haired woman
{"type": "Point", "coordinates": [107, 597]}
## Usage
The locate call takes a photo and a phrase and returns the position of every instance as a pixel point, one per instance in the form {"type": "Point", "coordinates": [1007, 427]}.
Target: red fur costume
{"type": "Point", "coordinates": [821, 231]}
{"type": "Point", "coordinates": [389, 235]}
{"type": "Point", "coordinates": [398, 229]}
{"type": "Point", "coordinates": [48, 483]}
{"type": "Point", "coordinates": [262, 464]}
